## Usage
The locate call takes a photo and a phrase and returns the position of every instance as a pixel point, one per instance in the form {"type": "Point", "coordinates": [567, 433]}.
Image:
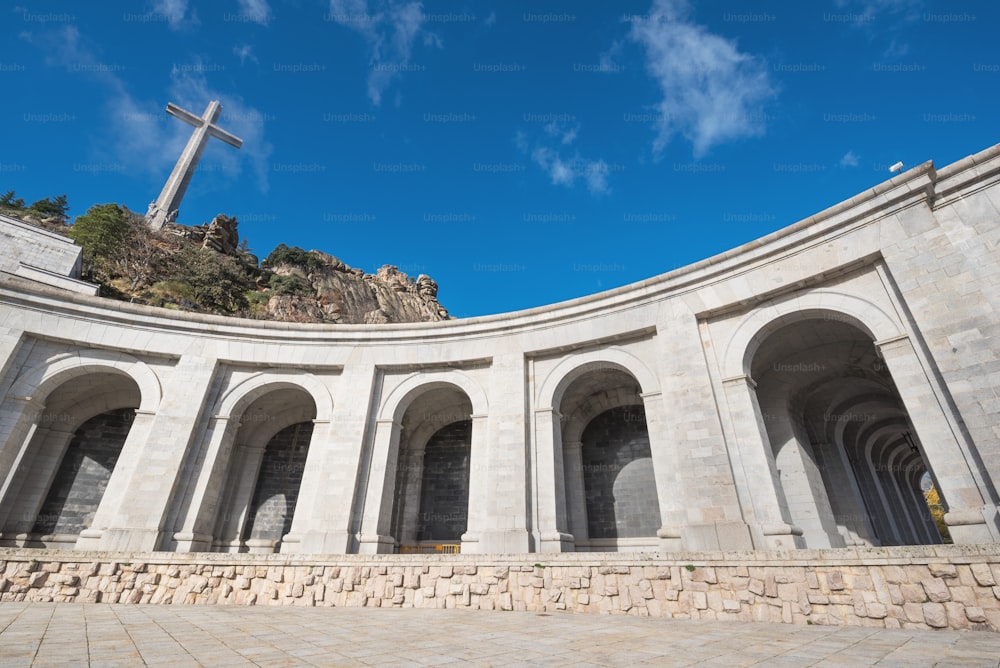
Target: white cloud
{"type": "Point", "coordinates": [174, 11]}
{"type": "Point", "coordinates": [390, 28]}
{"type": "Point", "coordinates": [850, 159]}
{"type": "Point", "coordinates": [711, 92]}
{"type": "Point", "coordinates": [244, 52]}
{"type": "Point", "coordinates": [566, 171]}
{"type": "Point", "coordinates": [140, 136]}
{"type": "Point", "coordinates": [257, 11]}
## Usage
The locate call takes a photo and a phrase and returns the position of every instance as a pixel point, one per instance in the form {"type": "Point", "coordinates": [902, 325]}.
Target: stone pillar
{"type": "Point", "coordinates": [667, 472]}
{"type": "Point", "coordinates": [970, 519]}
{"type": "Point", "coordinates": [377, 516]}
{"type": "Point", "coordinates": [801, 481]}
{"type": "Point", "coordinates": [305, 517]}
{"type": "Point", "coordinates": [35, 477]}
{"type": "Point", "coordinates": [240, 487]}
{"type": "Point", "coordinates": [576, 493]}
{"type": "Point", "coordinates": [479, 485]}
{"type": "Point", "coordinates": [409, 497]}
{"type": "Point", "coordinates": [500, 463]}
{"type": "Point", "coordinates": [753, 463]}
{"type": "Point", "coordinates": [197, 533]}
{"type": "Point", "coordinates": [19, 426]}
{"type": "Point", "coordinates": [335, 482]}
{"type": "Point", "coordinates": [137, 500]}
{"type": "Point", "coordinates": [18, 421]}
{"type": "Point", "coordinates": [551, 486]}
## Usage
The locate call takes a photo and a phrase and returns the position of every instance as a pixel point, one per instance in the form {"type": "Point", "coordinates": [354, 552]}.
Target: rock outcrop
{"type": "Point", "coordinates": [338, 293]}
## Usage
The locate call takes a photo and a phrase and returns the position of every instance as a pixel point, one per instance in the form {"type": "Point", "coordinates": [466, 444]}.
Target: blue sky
{"type": "Point", "coordinates": [520, 153]}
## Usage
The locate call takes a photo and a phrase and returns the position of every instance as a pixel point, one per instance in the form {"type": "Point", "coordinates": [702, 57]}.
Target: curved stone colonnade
{"type": "Point", "coordinates": [796, 392]}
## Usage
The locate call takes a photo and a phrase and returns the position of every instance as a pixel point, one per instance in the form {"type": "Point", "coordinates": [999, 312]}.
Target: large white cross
{"type": "Point", "coordinates": [165, 208]}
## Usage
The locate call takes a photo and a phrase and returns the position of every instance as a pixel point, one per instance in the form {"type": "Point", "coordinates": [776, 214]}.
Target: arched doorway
{"type": "Point", "coordinates": [612, 499]}
{"type": "Point", "coordinates": [848, 459]}
{"type": "Point", "coordinates": [265, 471]}
{"type": "Point", "coordinates": [56, 489]}
{"type": "Point", "coordinates": [431, 505]}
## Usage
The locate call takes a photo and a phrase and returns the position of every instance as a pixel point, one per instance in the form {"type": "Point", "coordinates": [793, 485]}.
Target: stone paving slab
{"type": "Point", "coordinates": [48, 634]}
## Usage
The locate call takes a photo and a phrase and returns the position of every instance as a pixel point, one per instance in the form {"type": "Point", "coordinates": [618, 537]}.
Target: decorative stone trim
{"type": "Point", "coordinates": [952, 587]}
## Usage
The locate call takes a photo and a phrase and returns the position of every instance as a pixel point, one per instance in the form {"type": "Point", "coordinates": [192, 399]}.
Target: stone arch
{"type": "Point", "coordinates": [72, 431]}
{"type": "Point", "coordinates": [756, 326]}
{"type": "Point", "coordinates": [433, 429]}
{"type": "Point", "coordinates": [551, 390]}
{"type": "Point", "coordinates": [831, 422]}
{"type": "Point", "coordinates": [395, 404]}
{"type": "Point", "coordinates": [238, 397]}
{"type": "Point", "coordinates": [264, 437]}
{"type": "Point", "coordinates": [39, 381]}
{"type": "Point", "coordinates": [609, 385]}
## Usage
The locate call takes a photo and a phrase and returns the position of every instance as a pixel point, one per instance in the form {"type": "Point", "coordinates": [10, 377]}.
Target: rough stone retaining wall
{"type": "Point", "coordinates": [956, 587]}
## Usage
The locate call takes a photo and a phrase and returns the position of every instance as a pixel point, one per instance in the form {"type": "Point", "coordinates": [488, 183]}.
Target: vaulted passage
{"type": "Point", "coordinates": [611, 496]}
{"type": "Point", "coordinates": [83, 475]}
{"type": "Point", "coordinates": [265, 469]}
{"type": "Point", "coordinates": [444, 488]}
{"type": "Point", "coordinates": [618, 475]}
{"type": "Point", "coordinates": [847, 457]}
{"type": "Point", "coordinates": [278, 481]}
{"type": "Point", "coordinates": [431, 505]}
{"type": "Point", "coordinates": [67, 465]}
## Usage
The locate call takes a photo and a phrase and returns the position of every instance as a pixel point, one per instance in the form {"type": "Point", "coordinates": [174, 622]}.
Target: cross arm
{"type": "Point", "coordinates": [219, 133]}
{"type": "Point", "coordinates": [184, 115]}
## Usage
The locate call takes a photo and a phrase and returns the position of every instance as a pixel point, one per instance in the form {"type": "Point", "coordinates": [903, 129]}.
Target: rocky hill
{"type": "Point", "coordinates": [207, 269]}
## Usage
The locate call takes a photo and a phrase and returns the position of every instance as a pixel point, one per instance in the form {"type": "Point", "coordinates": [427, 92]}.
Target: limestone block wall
{"type": "Point", "coordinates": [954, 587]}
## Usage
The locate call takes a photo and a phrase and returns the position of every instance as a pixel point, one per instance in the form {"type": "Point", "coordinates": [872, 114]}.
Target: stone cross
{"type": "Point", "coordinates": [165, 208]}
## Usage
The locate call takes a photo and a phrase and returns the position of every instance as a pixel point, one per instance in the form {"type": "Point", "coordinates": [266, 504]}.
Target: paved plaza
{"type": "Point", "coordinates": [41, 634]}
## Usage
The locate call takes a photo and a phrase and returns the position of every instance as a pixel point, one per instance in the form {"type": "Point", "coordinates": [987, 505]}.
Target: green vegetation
{"type": "Point", "coordinates": [289, 285]}
{"type": "Point", "coordinates": [134, 263]}
{"type": "Point", "coordinates": [217, 282]}
{"type": "Point", "coordinates": [293, 255]}
{"type": "Point", "coordinates": [103, 231]}
{"type": "Point", "coordinates": [44, 209]}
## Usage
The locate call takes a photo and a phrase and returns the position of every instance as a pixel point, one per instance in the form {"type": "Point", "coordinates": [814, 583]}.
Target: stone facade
{"type": "Point", "coordinates": [927, 588]}
{"type": "Point", "coordinates": [796, 393]}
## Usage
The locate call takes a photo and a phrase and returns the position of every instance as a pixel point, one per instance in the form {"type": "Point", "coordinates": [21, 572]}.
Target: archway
{"type": "Point", "coordinates": [265, 470]}
{"type": "Point", "coordinates": [54, 492]}
{"type": "Point", "coordinates": [431, 505]}
{"type": "Point", "coordinates": [848, 459]}
{"type": "Point", "coordinates": [612, 499]}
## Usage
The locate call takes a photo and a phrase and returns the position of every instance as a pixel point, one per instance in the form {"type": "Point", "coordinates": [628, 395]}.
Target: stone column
{"type": "Point", "coordinates": [334, 482]}
{"type": "Point", "coordinates": [240, 487]}
{"type": "Point", "coordinates": [137, 500]}
{"type": "Point", "coordinates": [309, 520]}
{"type": "Point", "coordinates": [377, 516]}
{"type": "Point", "coordinates": [19, 427]}
{"type": "Point", "coordinates": [550, 483]}
{"type": "Point", "coordinates": [18, 421]}
{"type": "Point", "coordinates": [943, 450]}
{"type": "Point", "coordinates": [666, 470]}
{"type": "Point", "coordinates": [576, 493]}
{"type": "Point", "coordinates": [35, 478]}
{"type": "Point", "coordinates": [409, 514]}
{"type": "Point", "coordinates": [755, 474]}
{"type": "Point", "coordinates": [479, 485]}
{"type": "Point", "coordinates": [206, 497]}
{"type": "Point", "coordinates": [501, 466]}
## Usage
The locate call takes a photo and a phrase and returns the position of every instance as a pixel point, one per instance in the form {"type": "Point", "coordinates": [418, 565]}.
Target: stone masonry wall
{"type": "Point", "coordinates": [952, 587]}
